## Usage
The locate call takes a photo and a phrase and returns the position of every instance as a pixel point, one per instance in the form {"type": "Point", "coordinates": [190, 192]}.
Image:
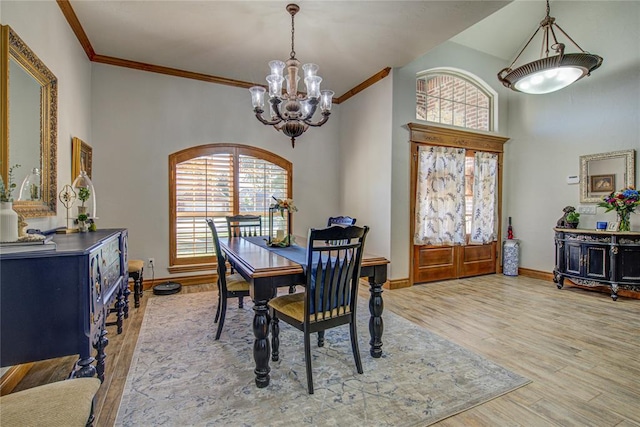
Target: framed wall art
{"type": "Point", "coordinates": [82, 157]}
{"type": "Point", "coordinates": [603, 183]}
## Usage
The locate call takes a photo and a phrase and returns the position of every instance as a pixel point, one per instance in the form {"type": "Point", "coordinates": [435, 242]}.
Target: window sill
{"type": "Point", "coordinates": [191, 267]}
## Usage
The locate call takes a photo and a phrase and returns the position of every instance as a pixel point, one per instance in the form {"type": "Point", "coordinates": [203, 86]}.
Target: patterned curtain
{"type": "Point", "coordinates": [440, 196]}
{"type": "Point", "coordinates": [485, 198]}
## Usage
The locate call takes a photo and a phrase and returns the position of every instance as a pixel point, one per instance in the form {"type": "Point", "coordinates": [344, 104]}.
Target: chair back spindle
{"type": "Point", "coordinates": [244, 225]}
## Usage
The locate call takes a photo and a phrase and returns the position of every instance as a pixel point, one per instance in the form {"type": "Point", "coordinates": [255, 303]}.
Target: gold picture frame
{"type": "Point", "coordinates": [82, 157]}
{"type": "Point", "coordinates": [603, 183]}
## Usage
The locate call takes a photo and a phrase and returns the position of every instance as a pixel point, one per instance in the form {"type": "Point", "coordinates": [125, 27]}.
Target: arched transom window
{"type": "Point", "coordinates": [452, 98]}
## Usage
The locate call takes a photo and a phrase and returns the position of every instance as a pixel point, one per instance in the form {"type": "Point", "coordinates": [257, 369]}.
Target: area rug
{"type": "Point", "coordinates": [181, 376]}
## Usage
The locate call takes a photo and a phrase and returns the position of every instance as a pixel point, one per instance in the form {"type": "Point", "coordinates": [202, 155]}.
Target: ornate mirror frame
{"type": "Point", "coordinates": [627, 157]}
{"type": "Point", "coordinates": [13, 48]}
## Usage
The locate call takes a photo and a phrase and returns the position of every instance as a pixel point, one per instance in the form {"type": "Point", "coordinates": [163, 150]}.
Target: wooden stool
{"type": "Point", "coordinates": [136, 270]}
{"type": "Point", "coordinates": [63, 403]}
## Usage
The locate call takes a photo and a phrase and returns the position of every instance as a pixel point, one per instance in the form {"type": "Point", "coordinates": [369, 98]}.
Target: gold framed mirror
{"type": "Point", "coordinates": [600, 174]}
{"type": "Point", "coordinates": [29, 115]}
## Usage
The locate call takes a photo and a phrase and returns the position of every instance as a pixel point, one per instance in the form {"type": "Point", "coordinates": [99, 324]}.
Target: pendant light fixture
{"type": "Point", "coordinates": [291, 112]}
{"type": "Point", "coordinates": [549, 73]}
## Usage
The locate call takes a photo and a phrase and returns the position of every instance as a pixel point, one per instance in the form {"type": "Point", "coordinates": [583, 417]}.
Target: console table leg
{"type": "Point", "coordinates": [261, 347]}
{"type": "Point", "coordinates": [614, 291]}
{"type": "Point", "coordinates": [127, 292]}
{"type": "Point", "coordinates": [102, 342]}
{"type": "Point", "coordinates": [376, 325]}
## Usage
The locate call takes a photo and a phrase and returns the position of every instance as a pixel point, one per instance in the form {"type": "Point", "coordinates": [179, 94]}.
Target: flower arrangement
{"type": "Point", "coordinates": [5, 191]}
{"type": "Point", "coordinates": [282, 204]}
{"type": "Point", "coordinates": [624, 202]}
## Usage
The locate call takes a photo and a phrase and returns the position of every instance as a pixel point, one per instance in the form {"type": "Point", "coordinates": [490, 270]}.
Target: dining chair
{"type": "Point", "coordinates": [331, 292]}
{"type": "Point", "coordinates": [341, 220]}
{"type": "Point", "coordinates": [232, 286]}
{"type": "Point", "coordinates": [244, 225]}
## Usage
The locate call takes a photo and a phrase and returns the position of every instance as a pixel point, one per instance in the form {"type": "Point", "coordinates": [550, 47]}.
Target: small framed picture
{"type": "Point", "coordinates": [603, 183]}
{"type": "Point", "coordinates": [613, 226]}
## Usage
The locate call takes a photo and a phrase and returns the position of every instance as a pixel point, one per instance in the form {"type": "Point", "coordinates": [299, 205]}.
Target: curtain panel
{"type": "Point", "coordinates": [440, 201]}
{"type": "Point", "coordinates": [485, 198]}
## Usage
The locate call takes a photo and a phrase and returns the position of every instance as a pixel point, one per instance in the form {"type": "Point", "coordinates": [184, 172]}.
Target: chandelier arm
{"type": "Point", "coordinates": [325, 117]}
{"type": "Point", "coordinates": [262, 120]}
{"type": "Point", "coordinates": [275, 102]}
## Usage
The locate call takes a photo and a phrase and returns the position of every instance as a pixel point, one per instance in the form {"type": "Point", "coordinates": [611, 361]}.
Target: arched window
{"type": "Point", "coordinates": [453, 97]}
{"type": "Point", "coordinates": [213, 181]}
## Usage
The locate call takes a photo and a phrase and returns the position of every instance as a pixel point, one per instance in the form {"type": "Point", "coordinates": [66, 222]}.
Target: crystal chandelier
{"type": "Point", "coordinates": [291, 112]}
{"type": "Point", "coordinates": [549, 74]}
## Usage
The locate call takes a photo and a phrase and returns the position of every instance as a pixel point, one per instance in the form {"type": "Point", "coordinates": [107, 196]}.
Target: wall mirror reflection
{"type": "Point", "coordinates": [28, 110]}
{"type": "Point", "coordinates": [600, 174]}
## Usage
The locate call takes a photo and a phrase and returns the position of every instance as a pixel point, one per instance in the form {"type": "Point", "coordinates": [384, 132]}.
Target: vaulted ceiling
{"type": "Point", "coordinates": [350, 40]}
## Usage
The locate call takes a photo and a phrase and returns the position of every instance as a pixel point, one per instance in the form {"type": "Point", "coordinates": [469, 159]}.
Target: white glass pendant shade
{"type": "Point", "coordinates": [547, 81]}
{"type": "Point", "coordinates": [257, 96]}
{"type": "Point", "coordinates": [310, 70]}
{"type": "Point", "coordinates": [277, 67]}
{"type": "Point", "coordinates": [84, 189]}
{"type": "Point", "coordinates": [31, 187]}
{"type": "Point", "coordinates": [326, 99]}
{"type": "Point", "coordinates": [275, 85]}
{"type": "Point", "coordinates": [313, 86]}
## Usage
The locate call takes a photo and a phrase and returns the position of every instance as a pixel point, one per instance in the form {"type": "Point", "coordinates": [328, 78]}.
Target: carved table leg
{"type": "Point", "coordinates": [559, 279]}
{"type": "Point", "coordinates": [120, 310]}
{"type": "Point", "coordinates": [376, 326]}
{"type": "Point", "coordinates": [261, 346]}
{"type": "Point", "coordinates": [101, 355]}
{"type": "Point", "coordinates": [275, 339]}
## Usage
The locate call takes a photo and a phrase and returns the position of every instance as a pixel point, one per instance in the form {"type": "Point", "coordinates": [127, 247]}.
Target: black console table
{"type": "Point", "coordinates": [596, 258]}
{"type": "Point", "coordinates": [55, 303]}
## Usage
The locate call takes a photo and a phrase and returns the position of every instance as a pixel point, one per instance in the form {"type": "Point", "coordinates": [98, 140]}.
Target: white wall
{"type": "Point", "coordinates": [404, 111]}
{"type": "Point", "coordinates": [549, 133]}
{"type": "Point", "coordinates": [365, 157]}
{"type": "Point", "coordinates": [139, 118]}
{"type": "Point", "coordinates": [41, 25]}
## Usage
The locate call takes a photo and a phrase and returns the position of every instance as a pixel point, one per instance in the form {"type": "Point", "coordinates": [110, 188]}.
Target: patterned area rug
{"type": "Point", "coordinates": [180, 376]}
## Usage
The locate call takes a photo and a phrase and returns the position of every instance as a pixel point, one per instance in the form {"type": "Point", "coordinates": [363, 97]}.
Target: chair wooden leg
{"type": "Point", "coordinates": [275, 337]}
{"type": "Point", "coordinates": [292, 289]}
{"type": "Point", "coordinates": [219, 304]}
{"type": "Point", "coordinates": [354, 345]}
{"type": "Point", "coordinates": [320, 338]}
{"type": "Point", "coordinates": [240, 302]}
{"type": "Point", "coordinates": [223, 312]}
{"type": "Point", "coordinates": [307, 359]}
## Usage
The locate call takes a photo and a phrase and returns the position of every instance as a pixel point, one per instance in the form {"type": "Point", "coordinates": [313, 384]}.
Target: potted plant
{"type": "Point", "coordinates": [573, 218]}
{"type": "Point", "coordinates": [82, 222]}
{"type": "Point", "coordinates": [83, 195]}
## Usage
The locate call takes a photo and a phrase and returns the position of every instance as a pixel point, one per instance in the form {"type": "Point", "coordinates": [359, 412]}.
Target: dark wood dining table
{"type": "Point", "coordinates": [267, 269]}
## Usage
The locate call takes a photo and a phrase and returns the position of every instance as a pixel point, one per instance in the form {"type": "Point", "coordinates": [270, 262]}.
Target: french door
{"type": "Point", "coordinates": [440, 262]}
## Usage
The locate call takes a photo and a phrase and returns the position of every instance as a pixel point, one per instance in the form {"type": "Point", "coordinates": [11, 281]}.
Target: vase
{"type": "Point", "coordinates": [8, 222]}
{"type": "Point", "coordinates": [624, 218]}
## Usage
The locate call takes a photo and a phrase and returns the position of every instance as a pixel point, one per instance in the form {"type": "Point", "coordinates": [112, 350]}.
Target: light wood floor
{"type": "Point", "coordinates": [580, 349]}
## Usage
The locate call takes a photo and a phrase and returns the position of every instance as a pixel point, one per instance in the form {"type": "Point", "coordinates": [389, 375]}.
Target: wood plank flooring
{"type": "Point", "coordinates": [580, 349]}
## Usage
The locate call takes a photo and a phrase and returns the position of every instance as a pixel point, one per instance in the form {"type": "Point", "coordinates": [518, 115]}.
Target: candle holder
{"type": "Point", "coordinates": [279, 226]}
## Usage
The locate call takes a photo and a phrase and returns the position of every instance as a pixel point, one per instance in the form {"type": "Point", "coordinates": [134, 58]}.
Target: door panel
{"type": "Point", "coordinates": [433, 263]}
{"type": "Point", "coordinates": [477, 260]}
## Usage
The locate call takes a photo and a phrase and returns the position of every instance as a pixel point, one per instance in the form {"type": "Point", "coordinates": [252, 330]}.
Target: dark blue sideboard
{"type": "Point", "coordinates": [55, 303]}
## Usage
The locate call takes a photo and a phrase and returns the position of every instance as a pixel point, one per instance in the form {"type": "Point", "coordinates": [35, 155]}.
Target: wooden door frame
{"type": "Point", "coordinates": [431, 135]}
